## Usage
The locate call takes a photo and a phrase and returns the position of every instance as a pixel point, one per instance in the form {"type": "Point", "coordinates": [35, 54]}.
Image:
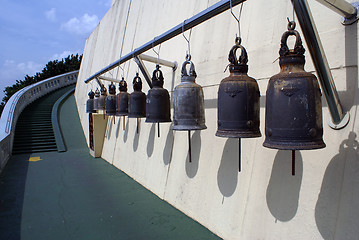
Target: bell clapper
{"type": "Point", "coordinates": [123, 123]}
{"type": "Point", "coordinates": [137, 126]}
{"type": "Point", "coordinates": [114, 121]}
{"type": "Point", "coordinates": [158, 129]}
{"type": "Point", "coordinates": [239, 154]}
{"type": "Point", "coordinates": [293, 162]}
{"type": "Point", "coordinates": [189, 146]}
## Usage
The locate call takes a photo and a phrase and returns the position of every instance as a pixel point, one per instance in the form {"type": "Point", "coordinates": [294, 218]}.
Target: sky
{"type": "Point", "coordinates": [34, 32]}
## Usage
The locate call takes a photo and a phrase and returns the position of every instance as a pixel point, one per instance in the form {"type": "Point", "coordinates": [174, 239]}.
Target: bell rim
{"type": "Point", "coordinates": [188, 127]}
{"type": "Point", "coordinates": [312, 145]}
{"type": "Point", "coordinates": [136, 116]}
{"type": "Point", "coordinates": [158, 121]}
{"type": "Point", "coordinates": [238, 134]}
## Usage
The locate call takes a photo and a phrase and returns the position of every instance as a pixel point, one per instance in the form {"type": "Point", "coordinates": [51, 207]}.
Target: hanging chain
{"type": "Point", "coordinates": [188, 54]}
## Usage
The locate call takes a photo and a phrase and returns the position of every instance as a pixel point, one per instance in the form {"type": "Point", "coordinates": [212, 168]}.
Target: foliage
{"type": "Point", "coordinates": [52, 68]}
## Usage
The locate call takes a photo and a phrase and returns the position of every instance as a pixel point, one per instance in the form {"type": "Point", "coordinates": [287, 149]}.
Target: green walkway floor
{"type": "Point", "coordinates": [71, 195]}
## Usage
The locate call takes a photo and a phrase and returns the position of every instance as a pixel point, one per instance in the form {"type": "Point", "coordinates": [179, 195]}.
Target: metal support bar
{"type": "Point", "coordinates": [162, 62]}
{"type": "Point", "coordinates": [144, 71]}
{"type": "Point", "coordinates": [109, 79]}
{"type": "Point", "coordinates": [348, 11]}
{"type": "Point", "coordinates": [197, 19]}
{"type": "Point", "coordinates": [99, 82]}
{"type": "Point", "coordinates": [320, 62]}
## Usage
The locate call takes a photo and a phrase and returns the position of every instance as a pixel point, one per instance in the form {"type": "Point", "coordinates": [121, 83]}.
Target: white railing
{"type": "Point", "coordinates": [19, 101]}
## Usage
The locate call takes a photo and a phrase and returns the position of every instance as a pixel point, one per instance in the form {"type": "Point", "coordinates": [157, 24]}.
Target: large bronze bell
{"type": "Point", "coordinates": [90, 103]}
{"type": "Point", "coordinates": [111, 100]}
{"type": "Point", "coordinates": [293, 104]}
{"type": "Point", "coordinates": [137, 100]}
{"type": "Point", "coordinates": [101, 103]}
{"type": "Point", "coordinates": [122, 99]}
{"type": "Point", "coordinates": [95, 101]}
{"type": "Point", "coordinates": [238, 100]}
{"type": "Point", "coordinates": [188, 102]}
{"type": "Point", "coordinates": [158, 100]}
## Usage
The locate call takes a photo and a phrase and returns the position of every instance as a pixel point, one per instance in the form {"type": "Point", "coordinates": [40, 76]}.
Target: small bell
{"type": "Point", "coordinates": [188, 103]}
{"type": "Point", "coordinates": [158, 100]}
{"type": "Point", "coordinates": [238, 100]}
{"type": "Point", "coordinates": [95, 102]}
{"type": "Point", "coordinates": [293, 104]}
{"type": "Point", "coordinates": [101, 104]}
{"type": "Point", "coordinates": [137, 100]}
{"type": "Point", "coordinates": [122, 101]}
{"type": "Point", "coordinates": [90, 103]}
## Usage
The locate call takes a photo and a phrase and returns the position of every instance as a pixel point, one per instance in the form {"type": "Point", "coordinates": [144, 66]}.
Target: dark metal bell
{"type": "Point", "coordinates": [293, 104]}
{"type": "Point", "coordinates": [101, 103]}
{"type": "Point", "coordinates": [158, 100]}
{"type": "Point", "coordinates": [95, 101]}
{"type": "Point", "coordinates": [90, 103]}
{"type": "Point", "coordinates": [238, 99]}
{"type": "Point", "coordinates": [111, 100]}
{"type": "Point", "coordinates": [137, 100]}
{"type": "Point", "coordinates": [188, 102]}
{"type": "Point", "coordinates": [122, 99]}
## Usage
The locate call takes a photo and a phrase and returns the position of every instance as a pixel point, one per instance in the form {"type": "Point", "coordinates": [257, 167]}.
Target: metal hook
{"type": "Point", "coordinates": [157, 52]}
{"type": "Point", "coordinates": [187, 39]}
{"type": "Point", "coordinates": [237, 18]}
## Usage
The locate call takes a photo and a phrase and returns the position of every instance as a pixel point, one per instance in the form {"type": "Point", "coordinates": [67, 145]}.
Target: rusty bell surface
{"type": "Point", "coordinates": [101, 103]}
{"type": "Point", "coordinates": [238, 99]}
{"type": "Point", "coordinates": [95, 101]}
{"type": "Point", "coordinates": [293, 104]}
{"type": "Point", "coordinates": [158, 100]}
{"type": "Point", "coordinates": [122, 99]}
{"type": "Point", "coordinates": [188, 102]}
{"type": "Point", "coordinates": [137, 100]}
{"type": "Point", "coordinates": [90, 103]}
{"type": "Point", "coordinates": [111, 100]}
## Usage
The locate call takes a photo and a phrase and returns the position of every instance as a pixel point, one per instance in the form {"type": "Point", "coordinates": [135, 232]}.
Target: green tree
{"type": "Point", "coordinates": [52, 68]}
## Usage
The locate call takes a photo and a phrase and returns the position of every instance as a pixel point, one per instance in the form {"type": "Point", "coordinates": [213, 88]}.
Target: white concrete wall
{"type": "Point", "coordinates": [263, 201]}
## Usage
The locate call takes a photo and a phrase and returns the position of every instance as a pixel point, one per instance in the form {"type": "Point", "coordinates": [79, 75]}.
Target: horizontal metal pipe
{"type": "Point", "coordinates": [197, 19]}
{"type": "Point", "coordinates": [320, 62]}
{"type": "Point", "coordinates": [341, 7]}
{"type": "Point", "coordinates": [109, 79]}
{"type": "Point", "coordinates": [158, 61]}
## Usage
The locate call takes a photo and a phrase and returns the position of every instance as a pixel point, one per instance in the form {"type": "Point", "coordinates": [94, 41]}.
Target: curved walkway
{"type": "Point", "coordinates": [71, 195]}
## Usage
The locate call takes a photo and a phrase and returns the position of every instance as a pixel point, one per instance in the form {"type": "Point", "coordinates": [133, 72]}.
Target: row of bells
{"type": "Point", "coordinates": [293, 101]}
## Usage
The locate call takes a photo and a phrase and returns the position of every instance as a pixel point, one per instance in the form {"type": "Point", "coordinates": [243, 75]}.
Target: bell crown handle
{"type": "Point", "coordinates": [232, 57]}
{"type": "Point", "coordinates": [137, 83]}
{"type": "Point", "coordinates": [122, 85]}
{"type": "Point", "coordinates": [192, 71]}
{"type": "Point", "coordinates": [298, 46]}
{"type": "Point", "coordinates": [157, 77]}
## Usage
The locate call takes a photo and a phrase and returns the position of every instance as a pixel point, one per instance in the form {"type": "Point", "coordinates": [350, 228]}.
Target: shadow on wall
{"type": "Point", "coordinates": [283, 188]}
{"type": "Point", "coordinates": [192, 167]}
{"type": "Point", "coordinates": [167, 151]}
{"type": "Point", "coordinates": [227, 176]}
{"type": "Point", "coordinates": [151, 140]}
{"type": "Point", "coordinates": [336, 212]}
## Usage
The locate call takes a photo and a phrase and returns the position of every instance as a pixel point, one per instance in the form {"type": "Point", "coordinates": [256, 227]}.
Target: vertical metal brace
{"type": "Point", "coordinates": [99, 82]}
{"type": "Point", "coordinates": [143, 70]}
{"type": "Point", "coordinates": [321, 65]}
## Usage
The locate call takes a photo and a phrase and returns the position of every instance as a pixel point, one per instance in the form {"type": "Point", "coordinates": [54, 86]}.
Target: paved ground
{"type": "Point", "coordinates": [71, 195]}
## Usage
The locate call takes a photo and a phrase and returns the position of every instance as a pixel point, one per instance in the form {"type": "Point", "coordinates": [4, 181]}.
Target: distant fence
{"type": "Point", "coordinates": [19, 101]}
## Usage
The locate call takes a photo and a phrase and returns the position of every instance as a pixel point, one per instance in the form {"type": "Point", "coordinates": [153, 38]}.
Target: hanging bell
{"type": "Point", "coordinates": [158, 100]}
{"type": "Point", "coordinates": [95, 101]}
{"type": "Point", "coordinates": [238, 99]}
{"type": "Point", "coordinates": [293, 104]}
{"type": "Point", "coordinates": [137, 100]}
{"type": "Point", "coordinates": [90, 103]}
{"type": "Point", "coordinates": [122, 99]}
{"type": "Point", "coordinates": [101, 103]}
{"type": "Point", "coordinates": [188, 102]}
{"type": "Point", "coordinates": [111, 100]}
